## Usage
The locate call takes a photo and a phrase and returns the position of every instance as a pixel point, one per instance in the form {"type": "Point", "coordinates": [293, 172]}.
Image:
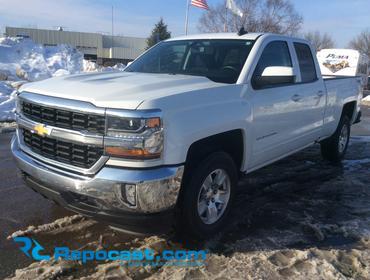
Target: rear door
{"type": "Point", "coordinates": [311, 94]}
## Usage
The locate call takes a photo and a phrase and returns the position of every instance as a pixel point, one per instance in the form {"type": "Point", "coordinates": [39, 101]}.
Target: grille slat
{"type": "Point", "coordinates": [74, 154]}
{"type": "Point", "coordinates": [64, 118]}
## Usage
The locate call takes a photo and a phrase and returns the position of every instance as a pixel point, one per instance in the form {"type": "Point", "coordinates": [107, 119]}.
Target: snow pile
{"type": "Point", "coordinates": [7, 104]}
{"type": "Point", "coordinates": [117, 67]}
{"type": "Point", "coordinates": [90, 66]}
{"type": "Point", "coordinates": [62, 223]}
{"type": "Point", "coordinates": [24, 61]}
{"type": "Point", "coordinates": [366, 100]}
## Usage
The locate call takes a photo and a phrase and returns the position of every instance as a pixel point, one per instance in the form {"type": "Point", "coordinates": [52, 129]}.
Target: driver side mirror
{"type": "Point", "coordinates": [274, 75]}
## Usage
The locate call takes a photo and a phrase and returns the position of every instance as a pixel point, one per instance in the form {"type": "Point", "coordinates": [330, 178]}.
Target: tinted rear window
{"type": "Point", "coordinates": [306, 62]}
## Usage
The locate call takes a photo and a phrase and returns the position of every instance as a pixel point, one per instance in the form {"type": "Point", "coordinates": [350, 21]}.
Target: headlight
{"type": "Point", "coordinates": [18, 105]}
{"type": "Point", "coordinates": [134, 138]}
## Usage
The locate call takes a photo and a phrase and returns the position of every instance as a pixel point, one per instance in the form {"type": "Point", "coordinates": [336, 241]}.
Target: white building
{"type": "Point", "coordinates": [102, 48]}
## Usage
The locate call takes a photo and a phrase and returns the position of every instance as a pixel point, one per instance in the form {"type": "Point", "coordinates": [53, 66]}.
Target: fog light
{"type": "Point", "coordinates": [130, 194]}
{"type": "Point", "coordinates": [126, 194]}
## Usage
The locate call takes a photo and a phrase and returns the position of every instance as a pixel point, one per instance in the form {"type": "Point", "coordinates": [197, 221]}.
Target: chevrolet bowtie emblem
{"type": "Point", "coordinates": [41, 130]}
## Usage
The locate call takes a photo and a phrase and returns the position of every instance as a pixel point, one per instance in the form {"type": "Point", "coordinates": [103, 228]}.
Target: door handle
{"type": "Point", "coordinates": [296, 97]}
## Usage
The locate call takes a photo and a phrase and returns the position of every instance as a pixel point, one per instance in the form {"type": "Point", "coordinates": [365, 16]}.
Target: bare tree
{"type": "Point", "coordinates": [319, 41]}
{"type": "Point", "coordinates": [276, 16]}
{"type": "Point", "coordinates": [362, 42]}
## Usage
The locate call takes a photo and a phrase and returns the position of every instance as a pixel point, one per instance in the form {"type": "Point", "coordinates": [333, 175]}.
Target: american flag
{"type": "Point", "coordinates": [200, 4]}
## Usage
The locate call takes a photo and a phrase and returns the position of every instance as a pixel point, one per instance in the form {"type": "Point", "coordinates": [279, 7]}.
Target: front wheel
{"type": "Point", "coordinates": [207, 196]}
{"type": "Point", "coordinates": [335, 147]}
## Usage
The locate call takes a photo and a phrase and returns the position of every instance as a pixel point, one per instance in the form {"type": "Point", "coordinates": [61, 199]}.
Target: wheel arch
{"type": "Point", "coordinates": [231, 142]}
{"type": "Point", "coordinates": [349, 110]}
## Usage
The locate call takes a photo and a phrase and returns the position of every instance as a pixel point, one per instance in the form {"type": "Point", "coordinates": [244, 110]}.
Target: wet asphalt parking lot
{"type": "Point", "coordinates": [300, 217]}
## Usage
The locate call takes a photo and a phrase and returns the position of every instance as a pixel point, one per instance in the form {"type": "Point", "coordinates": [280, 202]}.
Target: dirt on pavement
{"type": "Point", "coordinates": [300, 218]}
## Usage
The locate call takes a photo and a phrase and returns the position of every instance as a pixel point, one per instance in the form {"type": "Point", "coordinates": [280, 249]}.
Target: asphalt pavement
{"type": "Point", "coordinates": [20, 207]}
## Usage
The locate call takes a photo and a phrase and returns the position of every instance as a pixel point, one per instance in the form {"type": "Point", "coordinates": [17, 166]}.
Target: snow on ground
{"type": "Point", "coordinates": [24, 61]}
{"type": "Point", "coordinates": [300, 218]}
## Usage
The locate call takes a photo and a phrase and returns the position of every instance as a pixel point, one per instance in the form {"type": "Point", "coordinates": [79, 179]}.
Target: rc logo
{"type": "Point", "coordinates": [31, 246]}
{"type": "Point", "coordinates": [139, 257]}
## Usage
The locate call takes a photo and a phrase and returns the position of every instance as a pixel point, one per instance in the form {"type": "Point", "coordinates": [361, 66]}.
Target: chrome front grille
{"type": "Point", "coordinates": [63, 118]}
{"type": "Point", "coordinates": [62, 132]}
{"type": "Point", "coordinates": [79, 155]}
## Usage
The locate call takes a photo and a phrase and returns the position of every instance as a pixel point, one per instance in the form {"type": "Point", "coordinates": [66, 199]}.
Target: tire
{"type": "Point", "coordinates": [194, 197]}
{"type": "Point", "coordinates": [334, 148]}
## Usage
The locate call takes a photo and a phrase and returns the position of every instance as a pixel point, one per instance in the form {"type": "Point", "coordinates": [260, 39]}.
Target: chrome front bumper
{"type": "Point", "coordinates": [157, 189]}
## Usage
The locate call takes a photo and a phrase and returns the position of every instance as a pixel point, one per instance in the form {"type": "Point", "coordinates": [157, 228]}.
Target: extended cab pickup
{"type": "Point", "coordinates": [165, 141]}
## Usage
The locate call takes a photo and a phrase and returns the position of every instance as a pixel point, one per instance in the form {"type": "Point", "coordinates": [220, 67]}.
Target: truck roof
{"type": "Point", "coordinates": [234, 35]}
{"type": "Point", "coordinates": [248, 36]}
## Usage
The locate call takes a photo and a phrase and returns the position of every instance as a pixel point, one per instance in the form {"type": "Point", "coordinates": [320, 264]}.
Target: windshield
{"type": "Point", "coordinates": [218, 60]}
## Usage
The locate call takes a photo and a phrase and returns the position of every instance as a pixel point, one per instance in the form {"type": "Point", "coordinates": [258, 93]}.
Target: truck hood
{"type": "Point", "coordinates": [120, 90]}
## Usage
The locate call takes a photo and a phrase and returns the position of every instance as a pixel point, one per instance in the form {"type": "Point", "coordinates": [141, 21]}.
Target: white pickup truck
{"type": "Point", "coordinates": [165, 141]}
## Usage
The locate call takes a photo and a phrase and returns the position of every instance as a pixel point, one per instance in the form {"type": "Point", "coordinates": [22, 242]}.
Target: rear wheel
{"type": "Point", "coordinates": [335, 147]}
{"type": "Point", "coordinates": [207, 196]}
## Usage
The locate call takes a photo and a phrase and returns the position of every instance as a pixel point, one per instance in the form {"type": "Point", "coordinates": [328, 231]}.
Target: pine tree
{"type": "Point", "coordinates": [159, 33]}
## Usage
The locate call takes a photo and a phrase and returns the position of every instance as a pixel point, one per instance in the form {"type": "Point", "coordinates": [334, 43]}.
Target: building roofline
{"type": "Point", "coordinates": [69, 31]}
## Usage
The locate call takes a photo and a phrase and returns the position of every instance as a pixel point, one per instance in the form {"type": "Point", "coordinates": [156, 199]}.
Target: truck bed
{"type": "Point", "coordinates": [344, 89]}
{"type": "Point", "coordinates": [345, 86]}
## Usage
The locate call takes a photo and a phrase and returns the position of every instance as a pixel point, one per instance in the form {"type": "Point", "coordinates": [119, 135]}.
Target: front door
{"type": "Point", "coordinates": [277, 109]}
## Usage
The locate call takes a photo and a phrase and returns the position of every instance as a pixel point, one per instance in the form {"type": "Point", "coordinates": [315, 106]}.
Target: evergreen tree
{"type": "Point", "coordinates": [159, 33]}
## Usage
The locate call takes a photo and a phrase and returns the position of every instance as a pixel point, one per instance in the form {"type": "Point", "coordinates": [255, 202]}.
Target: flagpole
{"type": "Point", "coordinates": [225, 26]}
{"type": "Point", "coordinates": [112, 26]}
{"type": "Point", "coordinates": [187, 17]}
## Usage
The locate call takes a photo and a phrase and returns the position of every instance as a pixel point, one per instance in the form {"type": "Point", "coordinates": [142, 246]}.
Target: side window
{"type": "Point", "coordinates": [306, 62]}
{"type": "Point", "coordinates": [276, 53]}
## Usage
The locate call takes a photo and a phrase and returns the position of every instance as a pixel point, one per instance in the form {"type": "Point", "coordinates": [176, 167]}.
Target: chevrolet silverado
{"type": "Point", "coordinates": [164, 142]}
